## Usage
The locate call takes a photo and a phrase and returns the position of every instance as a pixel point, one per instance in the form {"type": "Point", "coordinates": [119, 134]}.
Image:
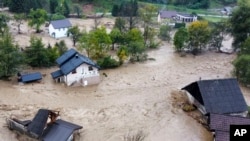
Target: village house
{"type": "Point", "coordinates": [76, 69]}
{"type": "Point", "coordinates": [220, 125]}
{"type": "Point", "coordinates": [59, 28]}
{"type": "Point", "coordinates": [45, 126]}
{"type": "Point", "coordinates": [218, 96]}
{"type": "Point", "coordinates": [175, 16]}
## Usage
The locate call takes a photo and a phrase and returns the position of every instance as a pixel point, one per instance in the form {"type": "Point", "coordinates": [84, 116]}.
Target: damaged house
{"type": "Point", "coordinates": [45, 126]}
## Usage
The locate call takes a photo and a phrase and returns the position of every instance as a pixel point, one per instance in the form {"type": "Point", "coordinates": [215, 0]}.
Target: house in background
{"type": "Point", "coordinates": [218, 96]}
{"type": "Point", "coordinates": [59, 28]}
{"type": "Point", "coordinates": [76, 69]}
{"type": "Point", "coordinates": [169, 15]}
{"type": "Point", "coordinates": [220, 125]}
{"type": "Point", "coordinates": [175, 16]}
{"type": "Point", "coordinates": [182, 17]}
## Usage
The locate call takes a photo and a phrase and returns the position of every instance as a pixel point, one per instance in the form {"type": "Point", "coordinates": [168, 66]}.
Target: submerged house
{"type": "Point", "coordinates": [45, 126]}
{"type": "Point", "coordinates": [220, 125]}
{"type": "Point", "coordinates": [59, 28]}
{"type": "Point", "coordinates": [76, 69]}
{"type": "Point", "coordinates": [170, 15]}
{"type": "Point", "coordinates": [218, 96]}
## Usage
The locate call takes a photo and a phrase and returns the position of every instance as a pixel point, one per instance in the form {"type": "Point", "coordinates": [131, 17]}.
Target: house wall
{"type": "Point", "coordinates": [82, 72]}
{"type": "Point", "coordinates": [193, 101]}
{"type": "Point", "coordinates": [58, 33]}
{"type": "Point", "coordinates": [159, 17]}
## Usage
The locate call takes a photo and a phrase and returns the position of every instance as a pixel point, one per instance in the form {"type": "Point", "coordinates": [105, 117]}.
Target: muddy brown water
{"type": "Point", "coordinates": [134, 97]}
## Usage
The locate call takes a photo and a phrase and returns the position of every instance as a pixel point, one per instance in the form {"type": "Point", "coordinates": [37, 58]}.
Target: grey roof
{"type": "Point", "coordinates": [61, 23]}
{"type": "Point", "coordinates": [167, 14]}
{"type": "Point", "coordinates": [186, 15]}
{"type": "Point", "coordinates": [39, 122]}
{"type": "Point", "coordinates": [71, 59]}
{"type": "Point", "coordinates": [221, 96]}
{"type": "Point", "coordinates": [60, 131]}
{"type": "Point", "coordinates": [66, 56]}
{"type": "Point", "coordinates": [220, 124]}
{"type": "Point", "coordinates": [56, 74]}
{"type": "Point", "coordinates": [30, 77]}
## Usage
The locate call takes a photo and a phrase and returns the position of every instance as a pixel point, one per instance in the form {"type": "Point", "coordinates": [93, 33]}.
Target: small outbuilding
{"type": "Point", "coordinates": [59, 28]}
{"type": "Point", "coordinates": [220, 96]}
{"type": "Point", "coordinates": [29, 77]}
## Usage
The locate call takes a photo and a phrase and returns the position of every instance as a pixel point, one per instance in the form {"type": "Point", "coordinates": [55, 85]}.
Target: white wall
{"type": "Point", "coordinates": [81, 72]}
{"type": "Point", "coordinates": [62, 32]}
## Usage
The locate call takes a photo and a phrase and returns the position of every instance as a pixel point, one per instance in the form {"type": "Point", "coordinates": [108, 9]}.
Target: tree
{"type": "Point", "coordinates": [19, 20]}
{"type": "Point", "coordinates": [199, 34]}
{"type": "Point", "coordinates": [240, 23]}
{"type": "Point", "coordinates": [242, 68]}
{"type": "Point", "coordinates": [37, 18]}
{"type": "Point", "coordinates": [180, 38]}
{"type": "Point", "coordinates": [75, 34]}
{"type": "Point", "coordinates": [115, 36]}
{"type": "Point", "coordinates": [122, 53]}
{"type": "Point", "coordinates": [84, 43]}
{"type": "Point", "coordinates": [218, 31]}
{"type": "Point", "coordinates": [17, 6]}
{"type": "Point", "coordinates": [36, 54]}
{"type": "Point", "coordinates": [56, 17]}
{"type": "Point", "coordinates": [11, 57]}
{"type": "Point", "coordinates": [120, 24]}
{"type": "Point", "coordinates": [100, 41]}
{"type": "Point", "coordinates": [78, 10]}
{"type": "Point", "coordinates": [115, 10]}
{"type": "Point", "coordinates": [3, 23]}
{"type": "Point", "coordinates": [164, 33]}
{"type": "Point", "coordinates": [53, 4]}
{"type": "Point", "coordinates": [61, 47]}
{"type": "Point", "coordinates": [146, 14]}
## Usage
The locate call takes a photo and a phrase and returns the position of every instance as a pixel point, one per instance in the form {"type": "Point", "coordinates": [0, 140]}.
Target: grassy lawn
{"type": "Point", "coordinates": [213, 19]}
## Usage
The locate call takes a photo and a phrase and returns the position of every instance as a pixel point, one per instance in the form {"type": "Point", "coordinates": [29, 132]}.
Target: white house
{"type": "Point", "coordinates": [175, 16]}
{"type": "Point", "coordinates": [76, 69]}
{"type": "Point", "coordinates": [59, 28]}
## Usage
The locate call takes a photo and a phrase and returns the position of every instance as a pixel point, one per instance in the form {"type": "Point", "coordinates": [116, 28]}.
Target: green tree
{"type": "Point", "coordinates": [3, 23]}
{"type": "Point", "coordinates": [146, 13]}
{"type": "Point", "coordinates": [17, 6]}
{"type": "Point", "coordinates": [52, 54]}
{"type": "Point", "coordinates": [78, 10]}
{"type": "Point", "coordinates": [53, 4]}
{"type": "Point", "coordinates": [218, 31]}
{"type": "Point", "coordinates": [19, 18]}
{"type": "Point", "coordinates": [122, 53]}
{"type": "Point", "coordinates": [120, 24]}
{"type": "Point", "coordinates": [164, 33]}
{"type": "Point", "coordinates": [61, 47]}
{"type": "Point", "coordinates": [240, 23]}
{"type": "Point", "coordinates": [36, 54]}
{"type": "Point", "coordinates": [100, 41]}
{"type": "Point", "coordinates": [11, 57]}
{"type": "Point", "coordinates": [56, 16]}
{"type": "Point", "coordinates": [180, 38]}
{"type": "Point", "coordinates": [37, 18]}
{"type": "Point", "coordinates": [199, 34]}
{"type": "Point", "coordinates": [242, 68]}
{"type": "Point", "coordinates": [75, 33]}
{"type": "Point", "coordinates": [116, 37]}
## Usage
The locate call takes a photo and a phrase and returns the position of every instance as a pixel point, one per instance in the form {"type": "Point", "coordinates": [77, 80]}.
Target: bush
{"type": "Point", "coordinates": [108, 62]}
{"type": "Point", "coordinates": [179, 25]}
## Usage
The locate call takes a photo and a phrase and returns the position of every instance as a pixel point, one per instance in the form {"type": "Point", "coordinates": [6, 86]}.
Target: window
{"type": "Point", "coordinates": [90, 68]}
{"type": "Point", "coordinates": [74, 71]}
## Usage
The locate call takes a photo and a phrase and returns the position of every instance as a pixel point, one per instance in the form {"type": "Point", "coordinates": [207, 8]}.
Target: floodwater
{"type": "Point", "coordinates": [135, 97]}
